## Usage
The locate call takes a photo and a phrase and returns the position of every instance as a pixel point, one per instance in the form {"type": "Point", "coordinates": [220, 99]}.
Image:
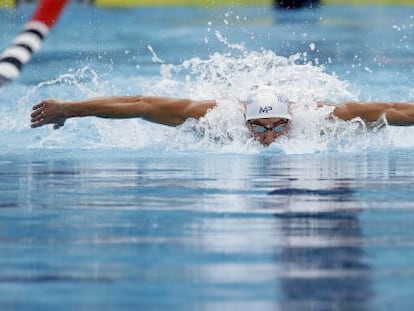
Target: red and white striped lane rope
{"type": "Point", "coordinates": [29, 40]}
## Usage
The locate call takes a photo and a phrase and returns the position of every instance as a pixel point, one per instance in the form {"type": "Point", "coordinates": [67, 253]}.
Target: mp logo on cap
{"type": "Point", "coordinates": [265, 109]}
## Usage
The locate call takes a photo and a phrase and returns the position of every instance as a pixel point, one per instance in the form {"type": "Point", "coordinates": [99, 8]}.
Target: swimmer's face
{"type": "Point", "coordinates": [268, 130]}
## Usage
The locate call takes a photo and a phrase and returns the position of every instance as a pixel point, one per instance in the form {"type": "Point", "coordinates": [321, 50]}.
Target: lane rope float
{"type": "Point", "coordinates": [29, 40]}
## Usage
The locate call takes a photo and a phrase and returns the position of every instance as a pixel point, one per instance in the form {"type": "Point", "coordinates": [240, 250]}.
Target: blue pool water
{"type": "Point", "coordinates": [127, 215]}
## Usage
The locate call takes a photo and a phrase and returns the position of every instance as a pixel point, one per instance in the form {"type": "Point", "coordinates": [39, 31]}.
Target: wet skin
{"type": "Point", "coordinates": [266, 131]}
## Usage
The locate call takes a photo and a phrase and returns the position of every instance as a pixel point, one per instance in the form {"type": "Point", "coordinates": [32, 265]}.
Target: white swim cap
{"type": "Point", "coordinates": [266, 102]}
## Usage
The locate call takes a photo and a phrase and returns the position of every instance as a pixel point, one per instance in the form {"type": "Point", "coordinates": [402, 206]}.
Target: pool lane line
{"type": "Point", "coordinates": [29, 40]}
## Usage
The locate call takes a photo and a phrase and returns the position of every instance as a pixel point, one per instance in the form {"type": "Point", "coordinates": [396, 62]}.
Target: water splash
{"type": "Point", "coordinates": [227, 77]}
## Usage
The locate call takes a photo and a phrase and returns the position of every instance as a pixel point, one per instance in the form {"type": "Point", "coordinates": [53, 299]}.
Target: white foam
{"type": "Point", "coordinates": [229, 78]}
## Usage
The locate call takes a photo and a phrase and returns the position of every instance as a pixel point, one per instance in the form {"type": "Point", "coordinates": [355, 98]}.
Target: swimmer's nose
{"type": "Point", "coordinates": [269, 138]}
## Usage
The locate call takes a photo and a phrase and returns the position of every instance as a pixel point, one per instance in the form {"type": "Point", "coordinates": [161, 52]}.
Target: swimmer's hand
{"type": "Point", "coordinates": [48, 111]}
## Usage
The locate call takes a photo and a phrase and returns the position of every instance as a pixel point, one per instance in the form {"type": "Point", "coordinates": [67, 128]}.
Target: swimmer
{"type": "Point", "coordinates": [267, 112]}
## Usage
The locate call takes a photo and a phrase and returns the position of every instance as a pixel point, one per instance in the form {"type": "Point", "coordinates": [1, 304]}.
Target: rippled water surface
{"type": "Point", "coordinates": [114, 215]}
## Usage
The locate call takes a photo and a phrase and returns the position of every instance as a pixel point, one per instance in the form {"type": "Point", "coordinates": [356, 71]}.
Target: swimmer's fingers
{"type": "Point", "coordinates": [36, 115]}
{"type": "Point", "coordinates": [40, 121]}
{"type": "Point", "coordinates": [47, 112]}
{"type": "Point", "coordinates": [37, 123]}
{"type": "Point", "coordinates": [59, 124]}
{"type": "Point", "coordinates": [37, 106]}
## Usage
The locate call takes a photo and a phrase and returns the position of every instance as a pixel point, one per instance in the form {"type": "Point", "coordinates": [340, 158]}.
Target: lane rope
{"type": "Point", "coordinates": [29, 40]}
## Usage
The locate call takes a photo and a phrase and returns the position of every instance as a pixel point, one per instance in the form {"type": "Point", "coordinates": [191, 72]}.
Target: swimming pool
{"type": "Point", "coordinates": [111, 215]}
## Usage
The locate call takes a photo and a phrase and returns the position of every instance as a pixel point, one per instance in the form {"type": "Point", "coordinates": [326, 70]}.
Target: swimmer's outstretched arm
{"type": "Point", "coordinates": [399, 114]}
{"type": "Point", "coordinates": [162, 110]}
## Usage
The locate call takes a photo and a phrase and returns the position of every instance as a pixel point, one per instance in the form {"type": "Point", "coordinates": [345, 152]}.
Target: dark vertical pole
{"type": "Point", "coordinates": [296, 4]}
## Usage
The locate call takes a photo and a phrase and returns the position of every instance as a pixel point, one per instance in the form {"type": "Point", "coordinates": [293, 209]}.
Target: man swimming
{"type": "Point", "coordinates": [267, 112]}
